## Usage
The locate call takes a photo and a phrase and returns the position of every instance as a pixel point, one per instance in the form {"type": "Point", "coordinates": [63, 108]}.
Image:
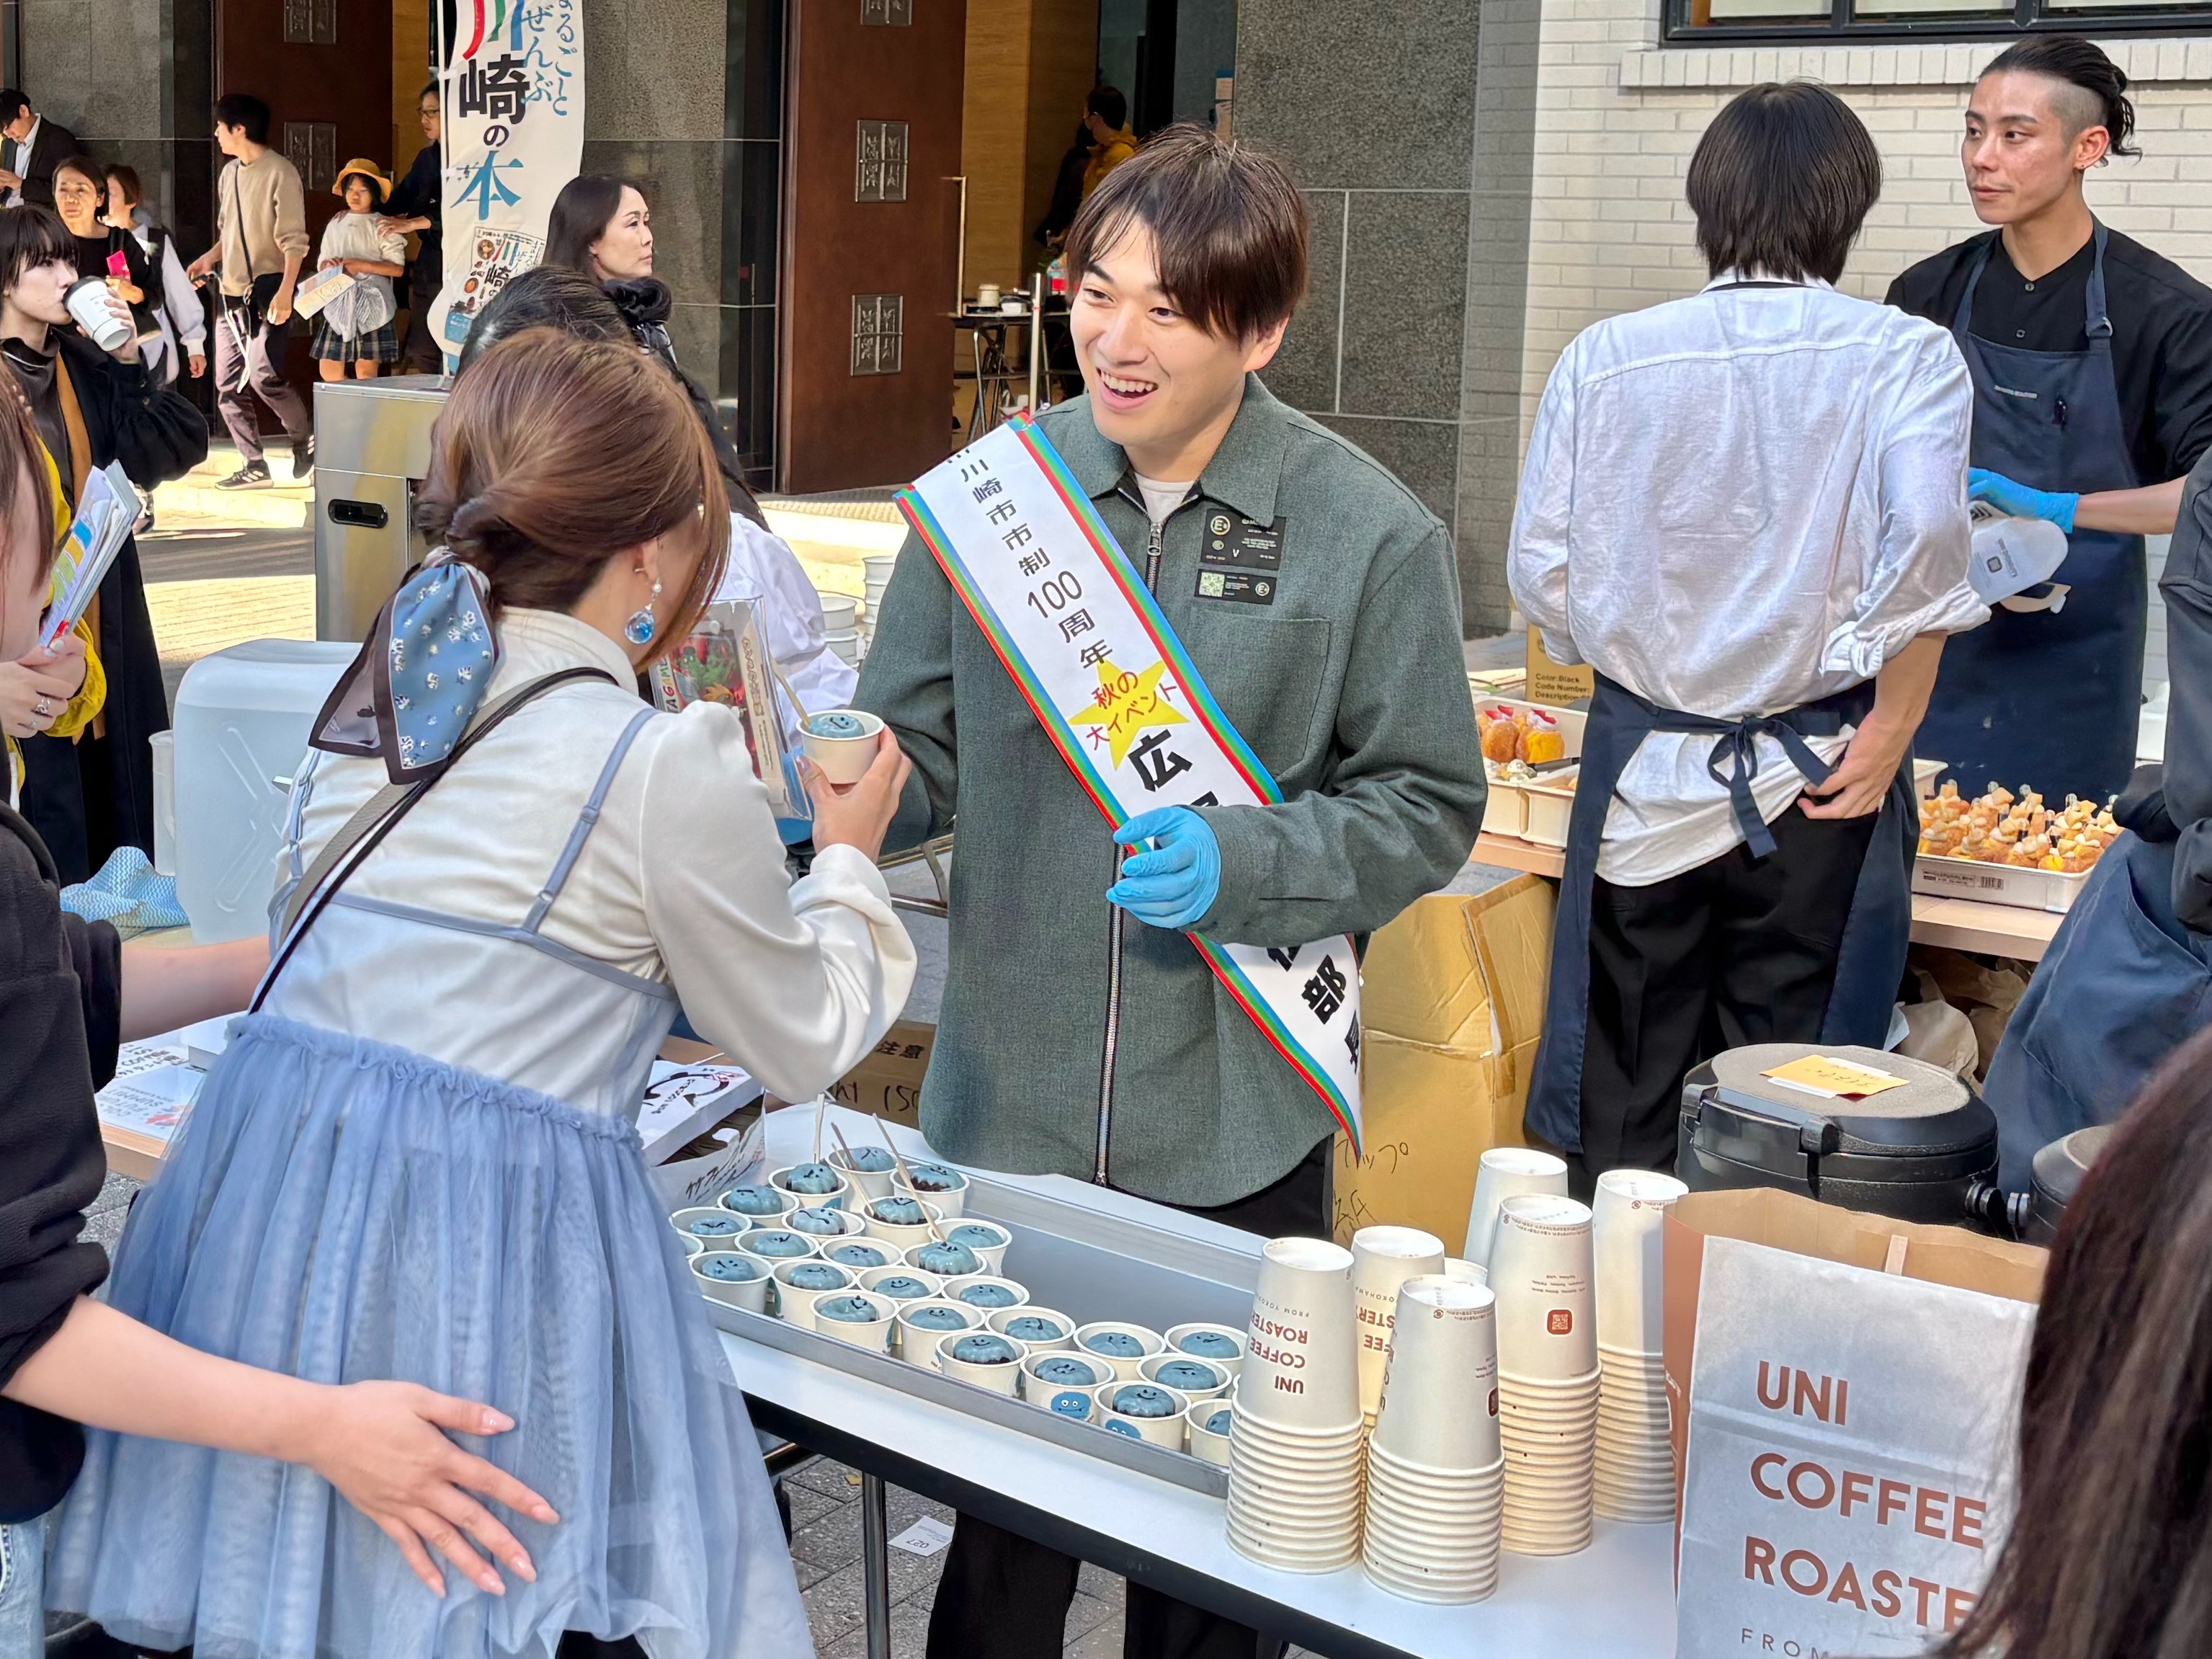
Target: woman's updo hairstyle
{"type": "Point", "coordinates": [554, 454]}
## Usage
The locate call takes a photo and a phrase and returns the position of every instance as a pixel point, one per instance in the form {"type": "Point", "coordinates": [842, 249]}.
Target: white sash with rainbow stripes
{"type": "Point", "coordinates": [1121, 700]}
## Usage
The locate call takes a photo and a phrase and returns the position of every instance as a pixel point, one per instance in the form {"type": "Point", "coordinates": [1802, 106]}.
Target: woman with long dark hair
{"type": "Point", "coordinates": [601, 226]}
{"type": "Point", "coordinates": [2108, 1555]}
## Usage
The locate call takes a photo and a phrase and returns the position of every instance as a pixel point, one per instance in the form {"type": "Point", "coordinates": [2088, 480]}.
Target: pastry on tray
{"type": "Point", "coordinates": [2022, 831]}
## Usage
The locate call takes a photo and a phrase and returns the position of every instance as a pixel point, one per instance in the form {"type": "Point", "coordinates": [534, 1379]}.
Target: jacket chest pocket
{"type": "Point", "coordinates": [1266, 673]}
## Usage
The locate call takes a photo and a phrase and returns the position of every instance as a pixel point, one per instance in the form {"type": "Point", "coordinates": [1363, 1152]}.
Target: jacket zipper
{"type": "Point", "coordinates": [1115, 915]}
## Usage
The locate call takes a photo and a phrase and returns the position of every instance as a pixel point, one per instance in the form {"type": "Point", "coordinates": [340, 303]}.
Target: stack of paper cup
{"type": "Point", "coordinates": [877, 576]}
{"type": "Point", "coordinates": [1541, 1269]}
{"type": "Point", "coordinates": [1435, 1464]}
{"type": "Point", "coordinates": [1295, 1431]}
{"type": "Point", "coordinates": [1504, 1171]}
{"type": "Point", "coordinates": [1383, 1259]}
{"type": "Point", "coordinates": [1634, 1477]}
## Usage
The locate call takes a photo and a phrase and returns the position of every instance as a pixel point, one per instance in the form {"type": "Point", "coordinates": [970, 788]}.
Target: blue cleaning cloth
{"type": "Point", "coordinates": [129, 893]}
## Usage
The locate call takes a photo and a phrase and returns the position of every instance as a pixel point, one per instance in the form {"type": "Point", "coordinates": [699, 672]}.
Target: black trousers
{"type": "Point", "coordinates": [1004, 1596]}
{"type": "Point", "coordinates": [1737, 950]}
{"type": "Point", "coordinates": [419, 353]}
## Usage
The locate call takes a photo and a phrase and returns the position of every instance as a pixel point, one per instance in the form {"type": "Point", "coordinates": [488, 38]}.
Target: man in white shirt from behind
{"type": "Point", "coordinates": [1741, 508]}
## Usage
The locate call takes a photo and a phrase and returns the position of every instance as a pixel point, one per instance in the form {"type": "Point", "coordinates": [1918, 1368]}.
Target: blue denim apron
{"type": "Point", "coordinates": [2049, 699]}
{"type": "Point", "coordinates": [1871, 962]}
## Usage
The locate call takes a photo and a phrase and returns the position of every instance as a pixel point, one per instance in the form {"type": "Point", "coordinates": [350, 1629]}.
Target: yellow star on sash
{"type": "Point", "coordinates": [1126, 706]}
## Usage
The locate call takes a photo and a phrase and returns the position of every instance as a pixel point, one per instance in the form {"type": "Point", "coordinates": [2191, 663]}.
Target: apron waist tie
{"type": "Point", "coordinates": [1738, 744]}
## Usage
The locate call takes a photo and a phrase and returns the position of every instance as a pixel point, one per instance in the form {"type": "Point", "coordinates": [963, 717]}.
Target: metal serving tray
{"type": "Point", "coordinates": [1077, 1261]}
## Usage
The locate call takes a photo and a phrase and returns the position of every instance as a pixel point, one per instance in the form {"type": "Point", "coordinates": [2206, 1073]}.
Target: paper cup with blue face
{"type": "Point", "coordinates": [856, 1317]}
{"type": "Point", "coordinates": [760, 1205]}
{"type": "Point", "coordinates": [1207, 1428]}
{"type": "Point", "coordinates": [1063, 1382]}
{"type": "Point", "coordinates": [1124, 1348]}
{"type": "Point", "coordinates": [905, 1222]}
{"type": "Point", "coordinates": [869, 1169]}
{"type": "Point", "coordinates": [841, 742]}
{"type": "Point", "coordinates": [921, 1324]}
{"type": "Point", "coordinates": [982, 1357]}
{"type": "Point", "coordinates": [1194, 1379]}
{"type": "Point", "coordinates": [934, 1183]}
{"type": "Point", "coordinates": [1142, 1410]}
{"type": "Point", "coordinates": [986, 1238]}
{"type": "Point", "coordinates": [861, 1255]}
{"type": "Point", "coordinates": [732, 1277]}
{"type": "Point", "coordinates": [988, 1293]}
{"type": "Point", "coordinates": [1217, 1345]}
{"type": "Point", "coordinates": [800, 1282]}
{"type": "Point", "coordinates": [1039, 1330]}
{"type": "Point", "coordinates": [818, 1186]}
{"type": "Point", "coordinates": [716, 1228]}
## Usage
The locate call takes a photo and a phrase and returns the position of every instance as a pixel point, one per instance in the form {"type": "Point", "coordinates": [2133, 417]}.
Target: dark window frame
{"type": "Point", "coordinates": [1843, 24]}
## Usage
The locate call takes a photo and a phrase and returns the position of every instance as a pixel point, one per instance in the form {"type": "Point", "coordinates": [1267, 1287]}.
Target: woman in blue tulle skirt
{"type": "Point", "coordinates": [416, 1159]}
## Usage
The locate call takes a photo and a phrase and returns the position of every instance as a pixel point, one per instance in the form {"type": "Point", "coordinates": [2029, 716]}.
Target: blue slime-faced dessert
{"type": "Point", "coordinates": [898, 1212]}
{"type": "Point", "coordinates": [861, 1255]}
{"type": "Point", "coordinates": [1143, 1400]}
{"type": "Point", "coordinates": [1067, 1372]}
{"type": "Point", "coordinates": [812, 1178]}
{"type": "Point", "coordinates": [714, 1226]}
{"type": "Point", "coordinates": [821, 1223]}
{"type": "Point", "coordinates": [1187, 1375]}
{"type": "Point", "coordinates": [729, 1269]}
{"type": "Point", "coordinates": [902, 1287]}
{"type": "Point", "coordinates": [1209, 1345]}
{"type": "Point", "coordinates": [1218, 1423]}
{"type": "Point", "coordinates": [753, 1200]}
{"type": "Point", "coordinates": [983, 1349]}
{"type": "Point", "coordinates": [836, 723]}
{"type": "Point", "coordinates": [936, 1319]}
{"type": "Point", "coordinates": [933, 1178]}
{"type": "Point", "coordinates": [1033, 1327]}
{"type": "Point", "coordinates": [988, 1296]}
{"type": "Point", "coordinates": [815, 1276]}
{"type": "Point", "coordinates": [873, 1159]}
{"type": "Point", "coordinates": [846, 1309]}
{"type": "Point", "coordinates": [776, 1241]}
{"type": "Point", "coordinates": [1117, 1344]}
{"type": "Point", "coordinates": [947, 1261]}
{"type": "Point", "coordinates": [976, 1236]}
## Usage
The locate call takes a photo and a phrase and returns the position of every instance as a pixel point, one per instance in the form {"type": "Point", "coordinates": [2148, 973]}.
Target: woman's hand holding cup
{"type": "Point", "coordinates": [857, 814]}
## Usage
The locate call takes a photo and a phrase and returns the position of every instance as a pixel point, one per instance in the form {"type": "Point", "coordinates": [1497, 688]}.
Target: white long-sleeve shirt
{"type": "Point", "coordinates": [763, 571]}
{"type": "Point", "coordinates": [682, 881]}
{"type": "Point", "coordinates": [1734, 504]}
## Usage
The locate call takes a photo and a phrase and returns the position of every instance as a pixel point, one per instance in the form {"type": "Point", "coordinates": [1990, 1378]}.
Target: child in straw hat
{"type": "Point", "coordinates": [356, 326]}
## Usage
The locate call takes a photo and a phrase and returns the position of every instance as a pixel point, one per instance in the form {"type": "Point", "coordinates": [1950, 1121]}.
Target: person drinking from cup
{"type": "Point", "coordinates": [420, 1136]}
{"type": "Point", "coordinates": [1746, 511]}
{"type": "Point", "coordinates": [1083, 1031]}
{"type": "Point", "coordinates": [2092, 363]}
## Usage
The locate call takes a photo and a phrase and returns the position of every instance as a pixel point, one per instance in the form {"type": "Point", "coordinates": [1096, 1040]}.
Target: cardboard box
{"type": "Point", "coordinates": [1451, 1005]}
{"type": "Point", "coordinates": [888, 1082]}
{"type": "Point", "coordinates": [1553, 682]}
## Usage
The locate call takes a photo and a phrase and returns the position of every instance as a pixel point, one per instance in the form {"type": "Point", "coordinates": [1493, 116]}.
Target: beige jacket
{"type": "Point", "coordinates": [263, 218]}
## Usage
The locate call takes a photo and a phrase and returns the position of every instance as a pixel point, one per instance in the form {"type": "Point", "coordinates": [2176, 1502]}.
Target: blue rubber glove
{"type": "Point", "coordinates": [1174, 883]}
{"type": "Point", "coordinates": [2017, 501]}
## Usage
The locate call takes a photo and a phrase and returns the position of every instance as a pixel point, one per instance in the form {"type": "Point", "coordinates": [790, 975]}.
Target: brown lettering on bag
{"type": "Point", "coordinates": [1820, 1570]}
{"type": "Point", "coordinates": [1966, 1515]}
{"type": "Point", "coordinates": [1758, 1559]}
{"type": "Point", "coordinates": [1886, 1586]}
{"type": "Point", "coordinates": [1925, 1591]}
{"type": "Point", "coordinates": [1956, 1604]}
{"type": "Point", "coordinates": [1926, 1506]}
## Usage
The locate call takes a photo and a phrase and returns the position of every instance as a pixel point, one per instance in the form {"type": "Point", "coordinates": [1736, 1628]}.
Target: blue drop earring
{"type": "Point", "coordinates": [641, 627]}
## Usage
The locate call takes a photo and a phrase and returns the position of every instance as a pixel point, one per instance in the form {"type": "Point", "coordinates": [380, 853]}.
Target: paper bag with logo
{"type": "Point", "coordinates": [1850, 1431]}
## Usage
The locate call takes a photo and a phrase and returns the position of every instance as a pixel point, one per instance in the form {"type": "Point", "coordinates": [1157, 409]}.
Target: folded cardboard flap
{"type": "Point", "coordinates": [1789, 1221]}
{"type": "Point", "coordinates": [887, 1083]}
{"type": "Point", "coordinates": [1451, 1005]}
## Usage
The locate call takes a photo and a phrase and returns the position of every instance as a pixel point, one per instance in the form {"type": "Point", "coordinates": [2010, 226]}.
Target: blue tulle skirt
{"type": "Point", "coordinates": [341, 1209]}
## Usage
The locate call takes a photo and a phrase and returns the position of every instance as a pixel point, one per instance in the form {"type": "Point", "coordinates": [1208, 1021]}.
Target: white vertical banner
{"type": "Point", "coordinates": [512, 98]}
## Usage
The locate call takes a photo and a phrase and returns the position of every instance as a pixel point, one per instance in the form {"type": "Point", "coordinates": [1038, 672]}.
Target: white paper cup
{"type": "Point", "coordinates": [987, 1293]}
{"type": "Point", "coordinates": [88, 301]}
{"type": "Point", "coordinates": [1460, 1271]}
{"type": "Point", "coordinates": [1125, 1364]}
{"type": "Point", "coordinates": [716, 1227]}
{"type": "Point", "coordinates": [873, 1334]}
{"type": "Point", "coordinates": [1002, 1377]}
{"type": "Point", "coordinates": [749, 1292]}
{"type": "Point", "coordinates": [1029, 1325]}
{"type": "Point", "coordinates": [1203, 1341]}
{"type": "Point", "coordinates": [839, 1197]}
{"type": "Point", "coordinates": [782, 1204]}
{"type": "Point", "coordinates": [868, 1182]}
{"type": "Point", "coordinates": [905, 1235]}
{"type": "Point", "coordinates": [1207, 1444]}
{"type": "Point", "coordinates": [988, 1239]}
{"type": "Point", "coordinates": [1540, 1271]}
{"type": "Point", "coordinates": [838, 609]}
{"type": "Point", "coordinates": [692, 1243]}
{"type": "Point", "coordinates": [1301, 1365]}
{"type": "Point", "coordinates": [1383, 1259]}
{"type": "Point", "coordinates": [1440, 1404]}
{"type": "Point", "coordinates": [1183, 1374]}
{"type": "Point", "coordinates": [1063, 1395]}
{"type": "Point", "coordinates": [917, 1343]}
{"type": "Point", "coordinates": [772, 1245]}
{"type": "Point", "coordinates": [859, 1256]}
{"type": "Point", "coordinates": [874, 1280]}
{"type": "Point", "coordinates": [843, 759]}
{"type": "Point", "coordinates": [950, 1201]}
{"type": "Point", "coordinates": [1627, 1213]}
{"type": "Point", "coordinates": [1162, 1431]}
{"type": "Point", "coordinates": [794, 1303]}
{"type": "Point", "coordinates": [1502, 1172]}
{"type": "Point", "coordinates": [824, 1222]}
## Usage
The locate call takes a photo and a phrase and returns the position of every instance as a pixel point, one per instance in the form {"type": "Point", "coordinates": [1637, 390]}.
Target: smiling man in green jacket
{"type": "Point", "coordinates": [1082, 1033]}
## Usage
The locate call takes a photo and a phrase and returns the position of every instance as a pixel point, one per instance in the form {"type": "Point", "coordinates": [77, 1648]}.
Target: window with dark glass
{"type": "Point", "coordinates": [1718, 22]}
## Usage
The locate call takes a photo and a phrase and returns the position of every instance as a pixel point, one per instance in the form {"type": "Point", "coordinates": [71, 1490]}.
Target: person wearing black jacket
{"type": "Point", "coordinates": [413, 206]}
{"type": "Point", "coordinates": [89, 796]}
{"type": "Point", "coordinates": [35, 145]}
{"type": "Point", "coordinates": [2127, 978]}
{"type": "Point", "coordinates": [70, 992]}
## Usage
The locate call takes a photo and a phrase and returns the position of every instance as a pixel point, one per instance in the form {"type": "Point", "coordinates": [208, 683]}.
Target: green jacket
{"type": "Point", "coordinates": [1351, 687]}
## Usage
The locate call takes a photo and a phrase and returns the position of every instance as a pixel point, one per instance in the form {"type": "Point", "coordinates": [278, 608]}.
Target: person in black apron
{"type": "Point", "coordinates": [1764, 629]}
{"type": "Point", "coordinates": [2091, 359]}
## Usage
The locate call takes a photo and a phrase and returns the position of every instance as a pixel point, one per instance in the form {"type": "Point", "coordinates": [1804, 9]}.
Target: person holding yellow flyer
{"type": "Point", "coordinates": [1187, 666]}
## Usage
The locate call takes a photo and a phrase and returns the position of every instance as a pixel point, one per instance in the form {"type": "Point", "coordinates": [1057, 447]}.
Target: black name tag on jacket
{"type": "Point", "coordinates": [1240, 561]}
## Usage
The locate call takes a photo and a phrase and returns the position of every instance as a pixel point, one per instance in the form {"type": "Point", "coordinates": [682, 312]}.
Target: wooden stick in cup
{"type": "Point", "coordinates": [899, 1163]}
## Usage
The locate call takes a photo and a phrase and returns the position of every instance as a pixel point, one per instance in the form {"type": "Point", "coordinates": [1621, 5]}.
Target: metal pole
{"type": "Point", "coordinates": [1036, 339]}
{"type": "Point", "coordinates": [876, 1566]}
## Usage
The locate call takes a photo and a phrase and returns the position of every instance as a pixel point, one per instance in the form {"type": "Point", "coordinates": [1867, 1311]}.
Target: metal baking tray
{"type": "Point", "coordinates": [1079, 1262]}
